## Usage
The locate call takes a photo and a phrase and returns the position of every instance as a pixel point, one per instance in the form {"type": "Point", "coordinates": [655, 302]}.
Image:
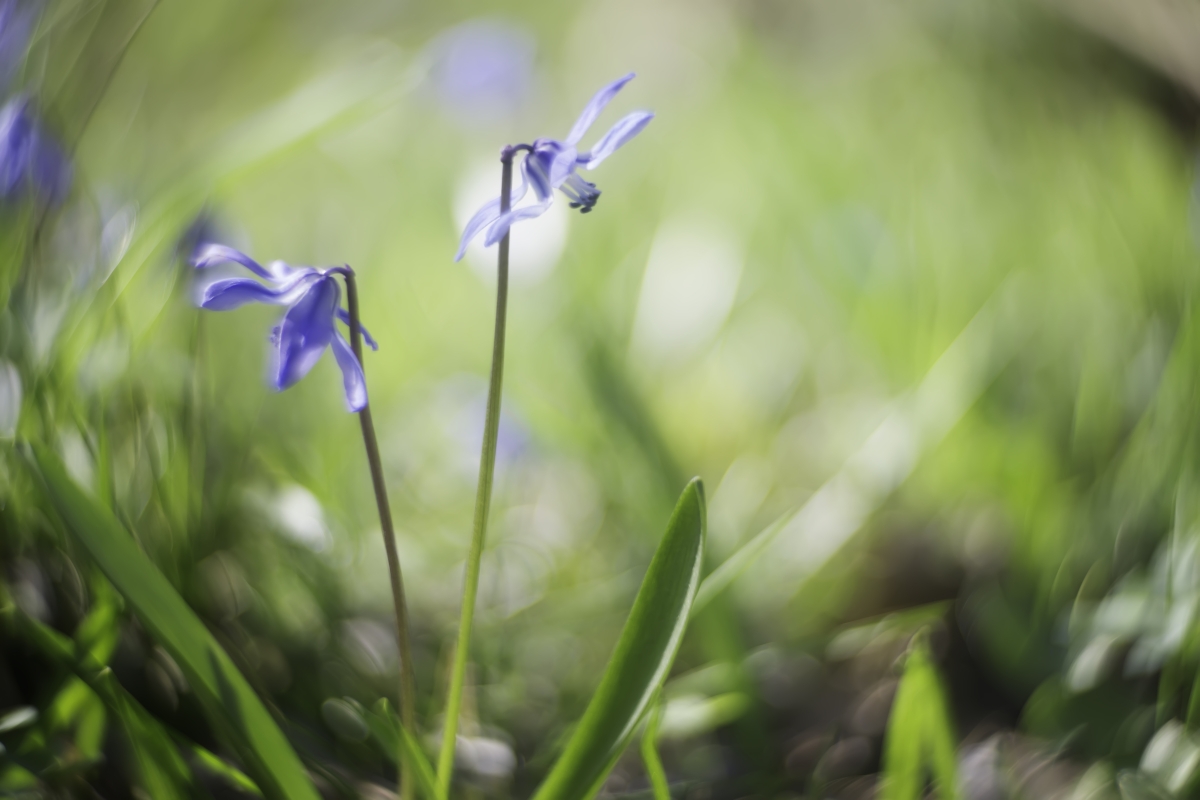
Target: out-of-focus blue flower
{"type": "Point", "coordinates": [307, 328]}
{"type": "Point", "coordinates": [16, 23]}
{"type": "Point", "coordinates": [481, 68]}
{"type": "Point", "coordinates": [550, 164]}
{"type": "Point", "coordinates": [30, 160]}
{"type": "Point", "coordinates": [203, 231]}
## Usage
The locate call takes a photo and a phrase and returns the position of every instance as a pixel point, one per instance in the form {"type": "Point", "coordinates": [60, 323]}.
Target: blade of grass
{"type": "Point", "coordinates": [654, 767]}
{"type": "Point", "coordinates": [919, 733]}
{"type": "Point", "coordinates": [214, 763]}
{"type": "Point", "coordinates": [641, 659]}
{"type": "Point", "coordinates": [161, 771]}
{"type": "Point", "coordinates": [391, 735]}
{"type": "Point", "coordinates": [232, 707]}
{"type": "Point", "coordinates": [902, 767]}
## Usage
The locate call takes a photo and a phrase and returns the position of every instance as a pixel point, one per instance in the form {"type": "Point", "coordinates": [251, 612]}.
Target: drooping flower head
{"type": "Point", "coordinates": [550, 164]}
{"type": "Point", "coordinates": [30, 160]}
{"type": "Point", "coordinates": [313, 298]}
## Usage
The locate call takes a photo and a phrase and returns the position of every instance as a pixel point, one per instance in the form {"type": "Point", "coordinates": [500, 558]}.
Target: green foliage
{"type": "Point", "coordinates": [232, 706]}
{"type": "Point", "coordinates": [869, 232]}
{"type": "Point", "coordinates": [920, 737]}
{"type": "Point", "coordinates": [385, 727]}
{"type": "Point", "coordinates": [161, 770]}
{"type": "Point", "coordinates": [641, 658]}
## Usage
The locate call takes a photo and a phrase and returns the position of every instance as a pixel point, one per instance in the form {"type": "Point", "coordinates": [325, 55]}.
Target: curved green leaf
{"type": "Point", "coordinates": [230, 704]}
{"type": "Point", "coordinates": [642, 657]}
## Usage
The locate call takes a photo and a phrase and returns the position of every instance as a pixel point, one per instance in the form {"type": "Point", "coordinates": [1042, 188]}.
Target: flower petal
{"type": "Point", "coordinates": [305, 332]}
{"type": "Point", "coordinates": [563, 165]}
{"type": "Point", "coordinates": [344, 316]}
{"type": "Point", "coordinates": [50, 171]}
{"type": "Point", "coordinates": [506, 221]}
{"type": "Point", "coordinates": [486, 216]}
{"type": "Point", "coordinates": [30, 159]}
{"type": "Point", "coordinates": [281, 270]}
{"type": "Point", "coordinates": [219, 254]}
{"type": "Point", "coordinates": [353, 380]}
{"type": "Point", "coordinates": [594, 107]}
{"type": "Point", "coordinates": [229, 293]}
{"type": "Point", "coordinates": [16, 143]}
{"type": "Point", "coordinates": [628, 127]}
{"type": "Point", "coordinates": [536, 169]}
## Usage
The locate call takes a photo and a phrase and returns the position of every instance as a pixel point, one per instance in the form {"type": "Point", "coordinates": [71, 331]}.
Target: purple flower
{"type": "Point", "coordinates": [30, 161]}
{"type": "Point", "coordinates": [481, 69]}
{"type": "Point", "coordinates": [16, 23]}
{"type": "Point", "coordinates": [307, 328]}
{"type": "Point", "coordinates": [550, 164]}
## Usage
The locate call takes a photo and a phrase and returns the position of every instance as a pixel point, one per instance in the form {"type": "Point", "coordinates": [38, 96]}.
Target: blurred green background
{"type": "Point", "coordinates": [916, 279]}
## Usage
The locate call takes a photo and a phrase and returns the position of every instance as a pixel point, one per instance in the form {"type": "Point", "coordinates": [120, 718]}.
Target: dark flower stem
{"type": "Point", "coordinates": [483, 494]}
{"type": "Point", "coordinates": [407, 681]}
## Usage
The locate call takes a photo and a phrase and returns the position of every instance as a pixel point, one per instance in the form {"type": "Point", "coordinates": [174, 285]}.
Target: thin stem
{"type": "Point", "coordinates": [650, 758]}
{"type": "Point", "coordinates": [483, 497]}
{"type": "Point", "coordinates": [407, 681]}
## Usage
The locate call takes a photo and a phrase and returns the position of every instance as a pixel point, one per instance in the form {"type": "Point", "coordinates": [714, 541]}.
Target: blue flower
{"type": "Point", "coordinates": [481, 70]}
{"type": "Point", "coordinates": [16, 23]}
{"type": "Point", "coordinates": [550, 164]}
{"type": "Point", "coordinates": [307, 328]}
{"type": "Point", "coordinates": [30, 161]}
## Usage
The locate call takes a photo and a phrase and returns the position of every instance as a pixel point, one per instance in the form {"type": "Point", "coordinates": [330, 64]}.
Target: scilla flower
{"type": "Point", "coordinates": [30, 160]}
{"type": "Point", "coordinates": [308, 326]}
{"type": "Point", "coordinates": [550, 164]}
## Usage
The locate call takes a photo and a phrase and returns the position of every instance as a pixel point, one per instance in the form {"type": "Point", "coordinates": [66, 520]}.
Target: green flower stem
{"type": "Point", "coordinates": [483, 497]}
{"type": "Point", "coordinates": [407, 681]}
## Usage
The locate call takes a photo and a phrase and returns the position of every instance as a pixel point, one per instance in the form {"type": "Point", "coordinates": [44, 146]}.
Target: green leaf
{"type": "Point", "coordinates": [387, 730]}
{"type": "Point", "coordinates": [161, 772]}
{"type": "Point", "coordinates": [229, 703]}
{"type": "Point", "coordinates": [641, 659]}
{"type": "Point", "coordinates": [919, 733]}
{"type": "Point", "coordinates": [903, 774]}
{"type": "Point", "coordinates": [215, 764]}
